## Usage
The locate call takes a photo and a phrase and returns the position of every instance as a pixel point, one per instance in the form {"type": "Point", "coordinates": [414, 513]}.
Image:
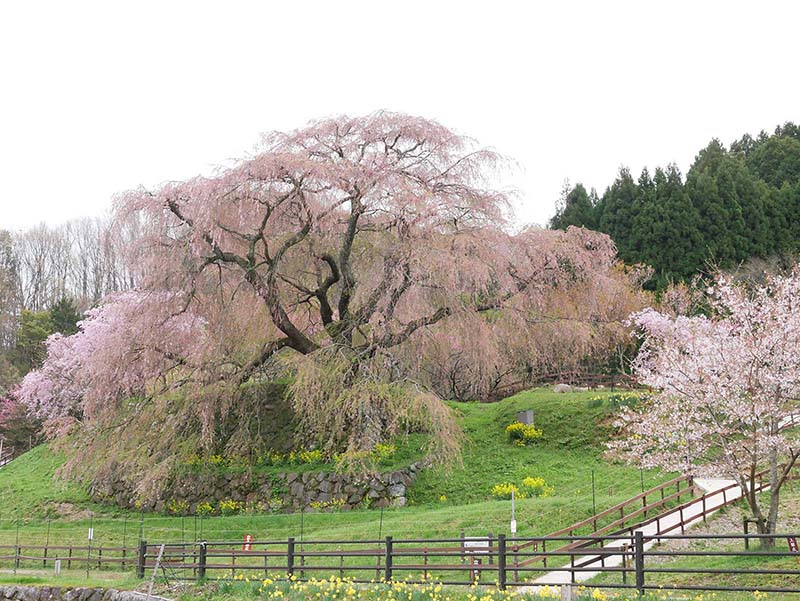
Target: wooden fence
{"type": "Point", "coordinates": [21, 555]}
{"type": "Point", "coordinates": [612, 561]}
{"type": "Point", "coordinates": [6, 455]}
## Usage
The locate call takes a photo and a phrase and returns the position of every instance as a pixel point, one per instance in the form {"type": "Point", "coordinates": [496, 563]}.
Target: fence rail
{"type": "Point", "coordinates": [630, 561]}
{"type": "Point", "coordinates": [21, 555]}
{"type": "Point", "coordinates": [6, 455]}
{"type": "Point", "coordinates": [610, 561]}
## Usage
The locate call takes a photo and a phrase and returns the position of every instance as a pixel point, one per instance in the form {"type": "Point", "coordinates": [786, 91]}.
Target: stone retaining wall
{"type": "Point", "coordinates": [57, 593]}
{"type": "Point", "coordinates": [286, 492]}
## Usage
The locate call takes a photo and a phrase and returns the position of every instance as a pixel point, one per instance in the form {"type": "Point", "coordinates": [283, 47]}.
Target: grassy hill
{"type": "Point", "coordinates": [443, 502]}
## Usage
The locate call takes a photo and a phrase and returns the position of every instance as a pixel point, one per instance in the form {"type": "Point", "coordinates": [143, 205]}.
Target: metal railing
{"type": "Point", "coordinates": [607, 562]}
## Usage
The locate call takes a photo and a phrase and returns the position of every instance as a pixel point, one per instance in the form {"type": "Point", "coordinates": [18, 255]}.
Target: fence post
{"type": "Point", "coordinates": [501, 561]}
{"type": "Point", "coordinates": [140, 559]}
{"type": "Point", "coordinates": [388, 559]}
{"type": "Point", "coordinates": [201, 561]}
{"type": "Point", "coordinates": [639, 558]}
{"type": "Point", "coordinates": [490, 538]}
{"type": "Point", "coordinates": [290, 556]}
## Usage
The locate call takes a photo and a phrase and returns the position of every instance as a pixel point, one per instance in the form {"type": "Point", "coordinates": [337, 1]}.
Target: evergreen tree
{"type": "Point", "coordinates": [777, 160]}
{"type": "Point", "coordinates": [65, 316]}
{"type": "Point", "coordinates": [735, 205]}
{"type": "Point", "coordinates": [575, 207]}
{"type": "Point", "coordinates": [29, 351]}
{"type": "Point", "coordinates": [712, 187]}
{"type": "Point", "coordinates": [668, 227]}
{"type": "Point", "coordinates": [618, 209]}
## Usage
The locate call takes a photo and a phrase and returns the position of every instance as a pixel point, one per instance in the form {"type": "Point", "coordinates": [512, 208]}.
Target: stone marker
{"type": "Point", "coordinates": [525, 417]}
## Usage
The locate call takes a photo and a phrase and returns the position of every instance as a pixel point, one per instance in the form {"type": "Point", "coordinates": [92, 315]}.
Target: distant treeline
{"type": "Point", "coordinates": [734, 204]}
{"type": "Point", "coordinates": [49, 275]}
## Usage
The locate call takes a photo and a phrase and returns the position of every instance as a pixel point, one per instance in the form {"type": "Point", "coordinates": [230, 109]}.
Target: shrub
{"type": "Point", "coordinates": [230, 507]}
{"type": "Point", "coordinates": [178, 507]}
{"type": "Point", "coordinates": [383, 452]}
{"type": "Point", "coordinates": [504, 490]}
{"type": "Point", "coordinates": [314, 456]}
{"type": "Point", "coordinates": [333, 504]}
{"type": "Point", "coordinates": [523, 434]}
{"type": "Point", "coordinates": [216, 460]}
{"type": "Point", "coordinates": [537, 487]}
{"type": "Point", "coordinates": [349, 460]}
{"type": "Point", "coordinates": [275, 504]}
{"type": "Point", "coordinates": [204, 508]}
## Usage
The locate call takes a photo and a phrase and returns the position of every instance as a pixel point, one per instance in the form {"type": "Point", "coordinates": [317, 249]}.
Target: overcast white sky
{"type": "Point", "coordinates": [96, 98]}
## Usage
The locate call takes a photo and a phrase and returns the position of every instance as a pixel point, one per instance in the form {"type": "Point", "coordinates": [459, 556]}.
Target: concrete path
{"type": "Point", "coordinates": [715, 496]}
{"type": "Point", "coordinates": [690, 516]}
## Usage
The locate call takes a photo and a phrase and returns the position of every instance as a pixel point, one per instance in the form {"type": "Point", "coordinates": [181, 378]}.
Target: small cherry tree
{"type": "Point", "coordinates": [728, 387]}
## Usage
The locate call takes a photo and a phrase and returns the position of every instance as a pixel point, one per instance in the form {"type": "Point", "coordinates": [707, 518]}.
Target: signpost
{"type": "Point", "coordinates": [513, 514]}
{"type": "Point", "coordinates": [475, 546]}
{"type": "Point", "coordinates": [89, 547]}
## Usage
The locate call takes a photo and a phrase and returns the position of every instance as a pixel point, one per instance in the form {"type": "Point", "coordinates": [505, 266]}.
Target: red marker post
{"type": "Point", "coordinates": [248, 542]}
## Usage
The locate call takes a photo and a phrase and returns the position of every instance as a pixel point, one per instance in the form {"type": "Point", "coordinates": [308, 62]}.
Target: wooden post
{"type": "Point", "coordinates": [290, 556]}
{"type": "Point", "coordinates": [388, 561]}
{"type": "Point", "coordinates": [47, 544]}
{"type": "Point", "coordinates": [572, 568]}
{"type": "Point", "coordinates": [639, 558]}
{"type": "Point", "coordinates": [501, 561]}
{"type": "Point", "coordinates": [516, 563]}
{"type": "Point", "coordinates": [140, 560]}
{"type": "Point", "coordinates": [201, 561]}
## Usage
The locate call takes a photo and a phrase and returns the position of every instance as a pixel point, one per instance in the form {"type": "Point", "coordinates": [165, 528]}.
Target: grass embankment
{"type": "Point", "coordinates": [442, 503]}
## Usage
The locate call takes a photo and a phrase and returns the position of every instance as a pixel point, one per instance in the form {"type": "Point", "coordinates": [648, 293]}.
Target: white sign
{"type": "Point", "coordinates": [476, 545]}
{"type": "Point", "coordinates": [513, 526]}
{"type": "Point", "coordinates": [58, 567]}
{"type": "Point", "coordinates": [91, 533]}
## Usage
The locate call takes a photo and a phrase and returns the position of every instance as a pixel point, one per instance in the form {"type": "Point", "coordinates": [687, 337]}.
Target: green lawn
{"type": "Point", "coordinates": [442, 503]}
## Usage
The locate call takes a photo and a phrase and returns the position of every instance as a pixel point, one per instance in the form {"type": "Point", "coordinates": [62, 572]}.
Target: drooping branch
{"type": "Point", "coordinates": [390, 340]}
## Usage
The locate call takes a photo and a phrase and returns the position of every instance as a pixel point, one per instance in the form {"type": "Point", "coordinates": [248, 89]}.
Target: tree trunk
{"type": "Point", "coordinates": [774, 500]}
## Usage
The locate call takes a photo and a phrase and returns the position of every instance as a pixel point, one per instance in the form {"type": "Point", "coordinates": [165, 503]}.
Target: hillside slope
{"type": "Point", "coordinates": [442, 502]}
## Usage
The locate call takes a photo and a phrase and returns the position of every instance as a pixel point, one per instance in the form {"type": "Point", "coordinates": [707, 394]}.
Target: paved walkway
{"type": "Point", "coordinates": [691, 516]}
{"type": "Point", "coordinates": [713, 488]}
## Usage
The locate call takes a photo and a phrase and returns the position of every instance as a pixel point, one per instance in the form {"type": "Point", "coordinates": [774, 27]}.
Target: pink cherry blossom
{"type": "Point", "coordinates": [727, 384]}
